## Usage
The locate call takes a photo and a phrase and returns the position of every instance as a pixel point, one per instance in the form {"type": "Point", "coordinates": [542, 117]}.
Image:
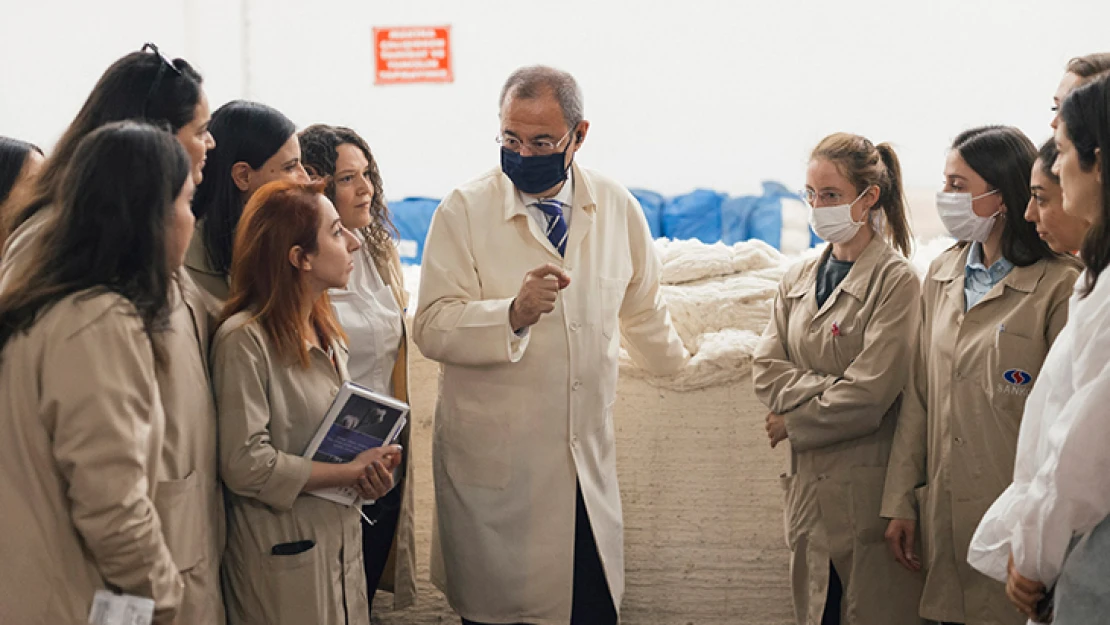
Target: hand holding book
{"type": "Point", "coordinates": [364, 473]}
{"type": "Point", "coordinates": [376, 478]}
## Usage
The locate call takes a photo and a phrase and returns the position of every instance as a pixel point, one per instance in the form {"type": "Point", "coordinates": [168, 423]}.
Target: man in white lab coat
{"type": "Point", "coordinates": [529, 272]}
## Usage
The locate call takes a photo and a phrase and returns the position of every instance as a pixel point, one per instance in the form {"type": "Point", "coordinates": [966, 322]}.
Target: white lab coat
{"type": "Point", "coordinates": [519, 420]}
{"type": "Point", "coordinates": [1060, 487]}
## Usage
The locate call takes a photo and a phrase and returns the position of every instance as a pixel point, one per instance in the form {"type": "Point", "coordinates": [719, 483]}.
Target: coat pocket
{"type": "Point", "coordinates": [297, 586]}
{"type": "Point", "coordinates": [1014, 364]}
{"type": "Point", "coordinates": [180, 506]}
{"type": "Point", "coordinates": [477, 433]}
{"type": "Point", "coordinates": [846, 348]}
{"type": "Point", "coordinates": [868, 526]}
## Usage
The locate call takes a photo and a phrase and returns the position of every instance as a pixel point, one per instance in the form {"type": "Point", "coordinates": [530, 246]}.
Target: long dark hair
{"type": "Point", "coordinates": [1047, 156]}
{"type": "Point", "coordinates": [247, 132]}
{"type": "Point", "coordinates": [114, 202]}
{"type": "Point", "coordinates": [137, 86]}
{"type": "Point", "coordinates": [319, 151]}
{"type": "Point", "coordinates": [13, 155]}
{"type": "Point", "coordinates": [1086, 117]}
{"type": "Point", "coordinates": [1003, 156]}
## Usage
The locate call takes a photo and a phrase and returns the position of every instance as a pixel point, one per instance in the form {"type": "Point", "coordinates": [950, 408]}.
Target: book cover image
{"type": "Point", "coordinates": [361, 425]}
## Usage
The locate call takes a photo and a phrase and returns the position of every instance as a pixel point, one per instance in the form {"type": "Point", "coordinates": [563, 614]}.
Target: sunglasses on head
{"type": "Point", "coordinates": [162, 67]}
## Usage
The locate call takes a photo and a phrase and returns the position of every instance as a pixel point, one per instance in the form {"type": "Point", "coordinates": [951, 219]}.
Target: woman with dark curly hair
{"type": "Point", "coordinates": [371, 311]}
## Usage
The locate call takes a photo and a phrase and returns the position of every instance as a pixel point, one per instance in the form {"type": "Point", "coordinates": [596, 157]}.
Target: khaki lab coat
{"type": "Point", "coordinates": [837, 373]}
{"type": "Point", "coordinates": [399, 576]}
{"type": "Point", "coordinates": [953, 452]}
{"type": "Point", "coordinates": [190, 497]}
{"type": "Point", "coordinates": [81, 429]}
{"type": "Point", "coordinates": [269, 410]}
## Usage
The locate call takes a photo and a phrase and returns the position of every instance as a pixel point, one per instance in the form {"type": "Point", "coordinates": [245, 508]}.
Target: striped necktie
{"type": "Point", "coordinates": [556, 226]}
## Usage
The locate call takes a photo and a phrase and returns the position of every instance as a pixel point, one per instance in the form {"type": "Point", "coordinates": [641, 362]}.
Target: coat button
{"type": "Point", "coordinates": [574, 326]}
{"type": "Point", "coordinates": [958, 440]}
{"type": "Point", "coordinates": [574, 441]}
{"type": "Point", "coordinates": [577, 385]}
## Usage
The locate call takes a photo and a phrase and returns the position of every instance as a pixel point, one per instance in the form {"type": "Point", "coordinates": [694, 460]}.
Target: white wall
{"type": "Point", "coordinates": [700, 93]}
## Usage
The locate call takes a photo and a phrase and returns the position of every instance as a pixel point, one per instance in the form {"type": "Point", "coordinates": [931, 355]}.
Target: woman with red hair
{"type": "Point", "coordinates": [278, 360]}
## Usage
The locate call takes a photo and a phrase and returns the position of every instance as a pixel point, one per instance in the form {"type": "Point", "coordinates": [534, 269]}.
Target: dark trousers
{"type": "Point", "coordinates": [833, 599]}
{"type": "Point", "coordinates": [377, 539]}
{"type": "Point", "coordinates": [592, 603]}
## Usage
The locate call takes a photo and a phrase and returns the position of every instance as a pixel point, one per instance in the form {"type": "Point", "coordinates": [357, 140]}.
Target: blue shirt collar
{"type": "Point", "coordinates": [975, 265]}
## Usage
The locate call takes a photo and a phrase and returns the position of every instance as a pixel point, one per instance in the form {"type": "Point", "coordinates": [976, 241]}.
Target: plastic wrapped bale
{"type": "Point", "coordinates": [652, 205]}
{"type": "Point", "coordinates": [412, 217]}
{"type": "Point", "coordinates": [695, 215]}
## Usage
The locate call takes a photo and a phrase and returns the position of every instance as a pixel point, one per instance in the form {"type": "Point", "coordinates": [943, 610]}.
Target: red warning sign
{"type": "Point", "coordinates": [412, 54]}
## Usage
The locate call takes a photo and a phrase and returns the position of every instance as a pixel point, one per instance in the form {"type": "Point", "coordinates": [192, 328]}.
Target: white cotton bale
{"type": "Point", "coordinates": [795, 237]}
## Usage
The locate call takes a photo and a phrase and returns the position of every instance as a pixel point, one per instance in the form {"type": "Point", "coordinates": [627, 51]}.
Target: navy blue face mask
{"type": "Point", "coordinates": [534, 174]}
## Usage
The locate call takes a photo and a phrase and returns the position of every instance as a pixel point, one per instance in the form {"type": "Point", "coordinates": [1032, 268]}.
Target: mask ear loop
{"type": "Point", "coordinates": [865, 219]}
{"type": "Point", "coordinates": [1001, 210]}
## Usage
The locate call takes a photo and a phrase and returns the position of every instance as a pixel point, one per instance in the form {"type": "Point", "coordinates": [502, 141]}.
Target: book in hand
{"type": "Point", "coordinates": [358, 419]}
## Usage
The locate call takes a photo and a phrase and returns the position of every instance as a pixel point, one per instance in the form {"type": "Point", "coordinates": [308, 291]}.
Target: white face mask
{"type": "Point", "coordinates": [834, 223]}
{"type": "Point", "coordinates": [960, 220]}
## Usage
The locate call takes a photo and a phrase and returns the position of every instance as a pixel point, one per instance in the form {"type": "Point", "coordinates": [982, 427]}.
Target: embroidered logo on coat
{"type": "Point", "coordinates": [1017, 377]}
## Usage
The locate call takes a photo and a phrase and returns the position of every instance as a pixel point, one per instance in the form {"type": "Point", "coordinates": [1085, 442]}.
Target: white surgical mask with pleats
{"type": "Point", "coordinates": [960, 219]}
{"type": "Point", "coordinates": [834, 223]}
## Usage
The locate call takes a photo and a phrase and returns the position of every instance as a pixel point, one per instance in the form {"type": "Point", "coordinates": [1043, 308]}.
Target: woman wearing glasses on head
{"type": "Point", "coordinates": [255, 144]}
{"type": "Point", "coordinates": [169, 94]}
{"type": "Point", "coordinates": [992, 305]}
{"type": "Point", "coordinates": [831, 367]}
{"type": "Point", "coordinates": [277, 362]}
{"type": "Point", "coordinates": [371, 311]}
{"type": "Point", "coordinates": [81, 424]}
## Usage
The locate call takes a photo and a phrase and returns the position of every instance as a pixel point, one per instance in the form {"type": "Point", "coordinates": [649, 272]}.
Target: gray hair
{"type": "Point", "coordinates": [533, 81]}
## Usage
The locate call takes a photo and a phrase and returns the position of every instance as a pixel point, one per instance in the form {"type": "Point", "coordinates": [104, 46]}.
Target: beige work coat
{"type": "Point", "coordinates": [269, 410]}
{"type": "Point", "coordinates": [190, 497]}
{"type": "Point", "coordinates": [953, 452]}
{"type": "Point", "coordinates": [399, 576]}
{"type": "Point", "coordinates": [212, 284]}
{"type": "Point", "coordinates": [836, 373]}
{"type": "Point", "coordinates": [81, 428]}
{"type": "Point", "coordinates": [518, 421]}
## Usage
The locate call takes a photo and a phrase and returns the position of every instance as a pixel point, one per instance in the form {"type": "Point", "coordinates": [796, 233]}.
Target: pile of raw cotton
{"type": "Point", "coordinates": [720, 298]}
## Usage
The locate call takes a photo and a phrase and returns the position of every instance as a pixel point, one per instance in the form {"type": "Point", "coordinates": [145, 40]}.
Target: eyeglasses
{"type": "Point", "coordinates": [165, 64]}
{"type": "Point", "coordinates": [538, 146]}
{"type": "Point", "coordinates": [824, 198]}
